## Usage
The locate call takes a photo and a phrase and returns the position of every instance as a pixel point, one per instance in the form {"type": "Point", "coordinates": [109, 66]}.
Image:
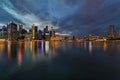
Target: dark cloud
{"type": "Point", "coordinates": [79, 17]}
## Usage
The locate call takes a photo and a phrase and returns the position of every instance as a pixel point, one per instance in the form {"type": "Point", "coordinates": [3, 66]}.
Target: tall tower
{"type": "Point", "coordinates": [12, 31]}
{"type": "Point", "coordinates": [4, 31]}
{"type": "Point", "coordinates": [112, 31]}
{"type": "Point", "coordinates": [46, 33]}
{"type": "Point", "coordinates": [34, 31]}
{"type": "Point", "coordinates": [52, 32]}
{"type": "Point", "coordinates": [20, 27]}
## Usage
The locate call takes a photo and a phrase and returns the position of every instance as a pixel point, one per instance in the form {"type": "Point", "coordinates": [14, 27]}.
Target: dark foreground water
{"type": "Point", "coordinates": [60, 61]}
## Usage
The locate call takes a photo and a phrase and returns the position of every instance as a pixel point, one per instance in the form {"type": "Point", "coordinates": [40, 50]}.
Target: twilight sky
{"type": "Point", "coordinates": [77, 17]}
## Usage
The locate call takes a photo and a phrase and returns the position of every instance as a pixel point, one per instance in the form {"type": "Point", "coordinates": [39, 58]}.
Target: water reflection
{"type": "Point", "coordinates": [2, 47]}
{"type": "Point", "coordinates": [63, 57]}
{"type": "Point", "coordinates": [105, 46]}
{"type": "Point", "coordinates": [12, 51]}
{"type": "Point", "coordinates": [47, 47]}
{"type": "Point", "coordinates": [21, 53]}
{"type": "Point", "coordinates": [90, 47]}
{"type": "Point", "coordinates": [18, 52]}
{"type": "Point", "coordinates": [35, 50]}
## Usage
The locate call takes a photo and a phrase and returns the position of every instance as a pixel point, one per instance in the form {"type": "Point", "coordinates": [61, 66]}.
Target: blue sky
{"type": "Point", "coordinates": [78, 17]}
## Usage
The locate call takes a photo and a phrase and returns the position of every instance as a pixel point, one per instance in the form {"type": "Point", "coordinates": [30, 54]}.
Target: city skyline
{"type": "Point", "coordinates": [76, 17]}
{"type": "Point", "coordinates": [59, 39]}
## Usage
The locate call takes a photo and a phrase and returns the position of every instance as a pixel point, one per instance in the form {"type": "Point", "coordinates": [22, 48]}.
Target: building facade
{"type": "Point", "coordinates": [20, 27]}
{"type": "Point", "coordinates": [112, 31]}
{"type": "Point", "coordinates": [46, 33]}
{"type": "Point", "coordinates": [12, 31]}
{"type": "Point", "coordinates": [34, 32]}
{"type": "Point", "coordinates": [52, 32]}
{"type": "Point", "coordinates": [3, 32]}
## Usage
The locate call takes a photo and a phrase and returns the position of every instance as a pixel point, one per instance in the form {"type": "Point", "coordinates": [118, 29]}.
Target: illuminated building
{"type": "Point", "coordinates": [30, 30]}
{"type": "Point", "coordinates": [1, 34]}
{"type": "Point", "coordinates": [22, 32]}
{"type": "Point", "coordinates": [4, 32]}
{"type": "Point", "coordinates": [34, 32]}
{"type": "Point", "coordinates": [20, 27]}
{"type": "Point", "coordinates": [52, 32]}
{"type": "Point", "coordinates": [39, 35]}
{"type": "Point", "coordinates": [92, 38]}
{"type": "Point", "coordinates": [46, 29]}
{"type": "Point", "coordinates": [112, 31]}
{"type": "Point", "coordinates": [46, 33]}
{"type": "Point", "coordinates": [12, 31]}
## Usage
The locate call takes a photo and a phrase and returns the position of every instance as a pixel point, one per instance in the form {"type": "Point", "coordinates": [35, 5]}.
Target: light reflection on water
{"type": "Point", "coordinates": [32, 53]}
{"type": "Point", "coordinates": [34, 49]}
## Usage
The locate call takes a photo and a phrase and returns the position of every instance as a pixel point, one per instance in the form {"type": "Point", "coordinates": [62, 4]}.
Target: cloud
{"type": "Point", "coordinates": [80, 17]}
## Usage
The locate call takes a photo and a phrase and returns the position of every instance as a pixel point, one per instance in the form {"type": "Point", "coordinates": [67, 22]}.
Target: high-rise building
{"type": "Point", "coordinates": [36, 29]}
{"type": "Point", "coordinates": [112, 31]}
{"type": "Point", "coordinates": [34, 32]}
{"type": "Point", "coordinates": [39, 35]}
{"type": "Point", "coordinates": [46, 33]}
{"type": "Point", "coordinates": [52, 32]}
{"type": "Point", "coordinates": [4, 32]}
{"type": "Point", "coordinates": [20, 27]}
{"type": "Point", "coordinates": [12, 31]}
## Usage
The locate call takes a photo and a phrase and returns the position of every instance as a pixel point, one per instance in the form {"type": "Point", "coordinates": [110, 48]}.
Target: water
{"type": "Point", "coordinates": [59, 61]}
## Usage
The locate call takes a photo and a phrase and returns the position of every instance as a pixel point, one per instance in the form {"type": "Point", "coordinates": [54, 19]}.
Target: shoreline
{"type": "Point", "coordinates": [4, 40]}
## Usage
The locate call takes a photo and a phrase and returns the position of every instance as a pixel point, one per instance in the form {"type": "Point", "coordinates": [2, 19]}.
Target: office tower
{"type": "Point", "coordinates": [39, 35]}
{"type": "Point", "coordinates": [4, 32]}
{"type": "Point", "coordinates": [34, 32]}
{"type": "Point", "coordinates": [20, 27]}
{"type": "Point", "coordinates": [36, 29]}
{"type": "Point", "coordinates": [52, 32]}
{"type": "Point", "coordinates": [46, 33]}
{"type": "Point", "coordinates": [30, 31]}
{"type": "Point", "coordinates": [112, 31]}
{"type": "Point", "coordinates": [12, 31]}
{"type": "Point", "coordinates": [46, 30]}
{"type": "Point", "coordinates": [21, 32]}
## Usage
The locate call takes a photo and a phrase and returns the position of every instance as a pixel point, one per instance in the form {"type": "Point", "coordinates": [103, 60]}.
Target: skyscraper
{"type": "Point", "coordinates": [52, 32]}
{"type": "Point", "coordinates": [20, 27]}
{"type": "Point", "coordinates": [46, 33]}
{"type": "Point", "coordinates": [12, 31]}
{"type": "Point", "coordinates": [4, 32]}
{"type": "Point", "coordinates": [34, 32]}
{"type": "Point", "coordinates": [39, 35]}
{"type": "Point", "coordinates": [112, 31]}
